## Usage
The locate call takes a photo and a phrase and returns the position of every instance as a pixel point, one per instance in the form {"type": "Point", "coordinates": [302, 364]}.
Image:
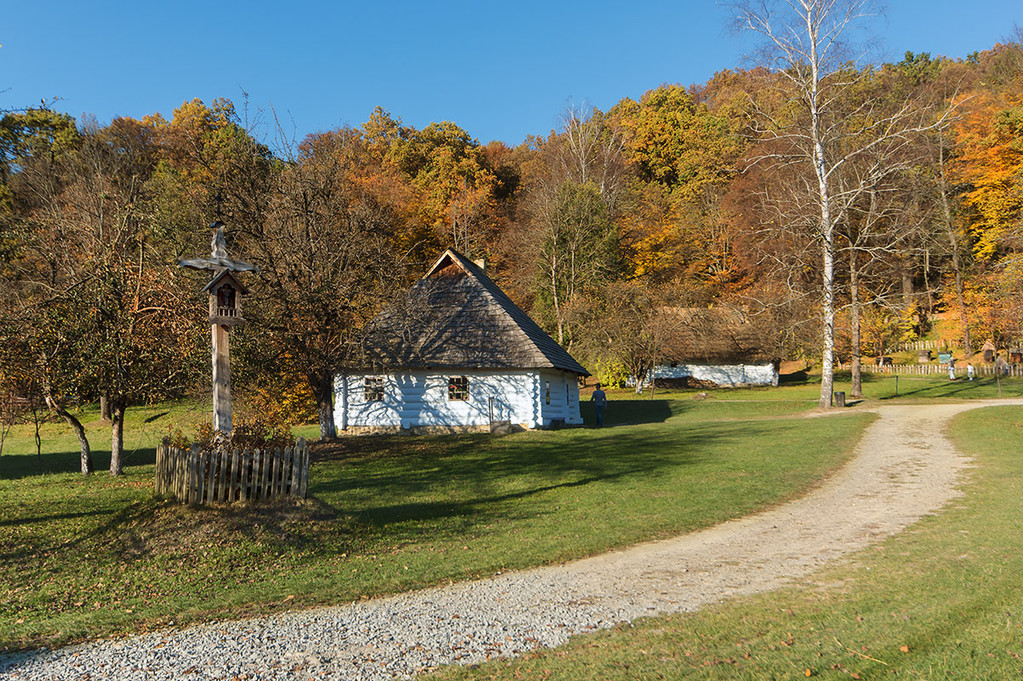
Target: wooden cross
{"type": "Point", "coordinates": [225, 291]}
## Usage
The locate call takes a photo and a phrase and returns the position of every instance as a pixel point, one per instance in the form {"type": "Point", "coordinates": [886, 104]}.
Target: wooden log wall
{"type": "Point", "coordinates": [227, 476]}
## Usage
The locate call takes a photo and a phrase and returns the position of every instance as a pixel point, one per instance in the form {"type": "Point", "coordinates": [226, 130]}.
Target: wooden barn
{"type": "Point", "coordinates": [458, 355]}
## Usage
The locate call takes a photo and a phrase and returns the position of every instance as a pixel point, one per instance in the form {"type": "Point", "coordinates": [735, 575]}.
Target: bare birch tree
{"type": "Point", "coordinates": [573, 236]}
{"type": "Point", "coordinates": [825, 131]}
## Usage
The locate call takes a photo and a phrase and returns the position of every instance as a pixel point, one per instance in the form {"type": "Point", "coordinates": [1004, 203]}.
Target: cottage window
{"type": "Point", "coordinates": [458, 388]}
{"type": "Point", "coordinates": [547, 394]}
{"type": "Point", "coordinates": [373, 388]}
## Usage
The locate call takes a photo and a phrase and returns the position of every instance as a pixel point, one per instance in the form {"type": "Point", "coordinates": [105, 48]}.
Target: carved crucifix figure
{"type": "Point", "coordinates": [225, 291]}
{"type": "Point", "coordinates": [218, 247]}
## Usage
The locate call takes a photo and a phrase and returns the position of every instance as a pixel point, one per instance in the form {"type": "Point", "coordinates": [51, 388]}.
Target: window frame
{"type": "Point", "coordinates": [373, 388]}
{"type": "Point", "coordinates": [458, 388]}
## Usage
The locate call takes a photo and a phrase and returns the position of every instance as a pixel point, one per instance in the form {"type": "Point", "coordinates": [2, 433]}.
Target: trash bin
{"type": "Point", "coordinates": [839, 399]}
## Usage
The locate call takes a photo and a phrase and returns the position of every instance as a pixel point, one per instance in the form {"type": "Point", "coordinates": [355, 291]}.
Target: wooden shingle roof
{"type": "Point", "coordinates": [457, 317]}
{"type": "Point", "coordinates": [718, 335]}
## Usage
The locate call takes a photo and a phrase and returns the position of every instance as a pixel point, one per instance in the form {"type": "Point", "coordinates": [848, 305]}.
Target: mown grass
{"type": "Point", "coordinates": [86, 557]}
{"type": "Point", "coordinates": [877, 389]}
{"type": "Point", "coordinates": [942, 600]}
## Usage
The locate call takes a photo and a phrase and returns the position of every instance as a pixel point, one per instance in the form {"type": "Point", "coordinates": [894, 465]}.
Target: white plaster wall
{"type": "Point", "coordinates": [730, 375]}
{"type": "Point", "coordinates": [420, 398]}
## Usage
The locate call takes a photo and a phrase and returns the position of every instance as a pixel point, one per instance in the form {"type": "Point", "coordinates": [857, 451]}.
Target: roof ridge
{"type": "Point", "coordinates": [533, 333]}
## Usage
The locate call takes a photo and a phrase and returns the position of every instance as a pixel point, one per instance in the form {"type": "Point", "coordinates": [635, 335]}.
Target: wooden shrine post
{"type": "Point", "coordinates": [225, 291]}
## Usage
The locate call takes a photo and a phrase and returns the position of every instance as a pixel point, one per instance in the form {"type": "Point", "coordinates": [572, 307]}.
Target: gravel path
{"type": "Point", "coordinates": [904, 469]}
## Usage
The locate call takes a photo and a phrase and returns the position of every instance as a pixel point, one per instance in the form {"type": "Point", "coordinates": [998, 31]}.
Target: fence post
{"type": "Point", "coordinates": [232, 484]}
{"type": "Point", "coordinates": [282, 469]}
{"type": "Point", "coordinates": [292, 455]}
{"type": "Point", "coordinates": [303, 486]}
{"type": "Point", "coordinates": [160, 460]}
{"type": "Point", "coordinates": [200, 493]}
{"type": "Point", "coordinates": [274, 473]}
{"type": "Point", "coordinates": [222, 461]}
{"type": "Point", "coordinates": [193, 474]}
{"type": "Point", "coordinates": [264, 473]}
{"type": "Point", "coordinates": [254, 479]}
{"type": "Point", "coordinates": [246, 476]}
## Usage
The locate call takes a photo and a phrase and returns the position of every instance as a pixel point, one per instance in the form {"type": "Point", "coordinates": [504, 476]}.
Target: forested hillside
{"type": "Point", "coordinates": [694, 196]}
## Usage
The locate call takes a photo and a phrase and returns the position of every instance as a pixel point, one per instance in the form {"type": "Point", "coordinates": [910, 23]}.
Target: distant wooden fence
{"type": "Point", "coordinates": [197, 477]}
{"type": "Point", "coordinates": [925, 345]}
{"type": "Point", "coordinates": [1014, 370]}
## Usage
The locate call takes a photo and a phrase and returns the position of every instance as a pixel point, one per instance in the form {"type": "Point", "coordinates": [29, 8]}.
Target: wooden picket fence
{"type": "Point", "coordinates": [1014, 370]}
{"type": "Point", "coordinates": [196, 477]}
{"type": "Point", "coordinates": [925, 345]}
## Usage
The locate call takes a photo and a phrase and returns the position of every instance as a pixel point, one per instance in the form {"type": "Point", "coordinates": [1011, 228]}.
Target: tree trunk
{"type": "Point", "coordinates": [323, 389]}
{"type": "Point", "coordinates": [76, 425]}
{"type": "Point", "coordinates": [104, 408]}
{"type": "Point", "coordinates": [36, 424]}
{"type": "Point", "coordinates": [828, 320]}
{"type": "Point", "coordinates": [117, 436]}
{"type": "Point", "coordinates": [954, 246]}
{"type": "Point", "coordinates": [827, 227]}
{"type": "Point", "coordinates": [854, 325]}
{"type": "Point", "coordinates": [907, 286]}
{"type": "Point", "coordinates": [4, 430]}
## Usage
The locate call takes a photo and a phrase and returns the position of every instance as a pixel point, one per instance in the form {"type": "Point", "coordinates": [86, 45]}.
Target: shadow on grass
{"type": "Point", "coordinates": [367, 492]}
{"type": "Point", "coordinates": [472, 480]}
{"type": "Point", "coordinates": [16, 467]}
{"type": "Point", "coordinates": [633, 412]}
{"type": "Point", "coordinates": [794, 378]}
{"type": "Point", "coordinates": [110, 532]}
{"type": "Point", "coordinates": [17, 522]}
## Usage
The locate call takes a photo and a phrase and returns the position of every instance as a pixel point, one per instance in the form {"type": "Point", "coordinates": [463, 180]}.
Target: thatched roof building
{"type": "Point", "coordinates": [457, 317]}
{"type": "Point", "coordinates": [457, 353]}
{"type": "Point", "coordinates": [719, 335]}
{"type": "Point", "coordinates": [719, 345]}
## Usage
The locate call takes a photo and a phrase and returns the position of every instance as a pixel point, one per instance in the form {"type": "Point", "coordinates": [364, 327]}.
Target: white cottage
{"type": "Point", "coordinates": [458, 355]}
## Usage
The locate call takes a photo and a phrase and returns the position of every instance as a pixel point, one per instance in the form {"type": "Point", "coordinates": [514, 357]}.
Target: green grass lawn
{"type": "Point", "coordinates": [86, 557]}
{"type": "Point", "coordinates": [877, 389]}
{"type": "Point", "coordinates": [943, 600]}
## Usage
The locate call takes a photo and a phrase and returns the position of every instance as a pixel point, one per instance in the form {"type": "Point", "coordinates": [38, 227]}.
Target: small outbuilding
{"type": "Point", "coordinates": [458, 355]}
{"type": "Point", "coordinates": [989, 351]}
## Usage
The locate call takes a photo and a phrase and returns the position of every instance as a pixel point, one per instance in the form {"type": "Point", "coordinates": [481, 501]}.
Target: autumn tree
{"type": "Point", "coordinates": [326, 263]}
{"type": "Point", "coordinates": [682, 156]}
{"type": "Point", "coordinates": [977, 178]}
{"type": "Point", "coordinates": [568, 238]}
{"type": "Point", "coordinates": [626, 325]}
{"type": "Point", "coordinates": [449, 170]}
{"type": "Point", "coordinates": [88, 295]}
{"type": "Point", "coordinates": [577, 250]}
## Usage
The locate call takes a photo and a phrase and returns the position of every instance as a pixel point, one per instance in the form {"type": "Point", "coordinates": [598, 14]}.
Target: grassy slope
{"type": "Point", "coordinates": [88, 557]}
{"type": "Point", "coordinates": [942, 600]}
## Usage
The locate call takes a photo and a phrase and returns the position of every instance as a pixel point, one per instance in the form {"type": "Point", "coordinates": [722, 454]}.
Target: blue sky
{"type": "Point", "coordinates": [500, 70]}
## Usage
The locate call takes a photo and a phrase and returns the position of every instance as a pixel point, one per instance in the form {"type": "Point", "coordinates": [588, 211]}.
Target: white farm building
{"type": "Point", "coordinates": [458, 355]}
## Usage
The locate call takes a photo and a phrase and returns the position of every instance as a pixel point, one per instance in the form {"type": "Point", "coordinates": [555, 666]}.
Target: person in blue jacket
{"type": "Point", "coordinates": [599, 399]}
